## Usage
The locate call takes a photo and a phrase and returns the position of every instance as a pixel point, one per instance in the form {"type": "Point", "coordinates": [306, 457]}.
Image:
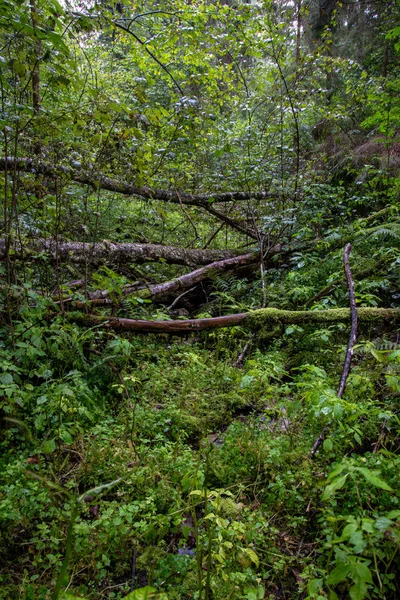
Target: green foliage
{"type": "Point", "coordinates": [152, 467]}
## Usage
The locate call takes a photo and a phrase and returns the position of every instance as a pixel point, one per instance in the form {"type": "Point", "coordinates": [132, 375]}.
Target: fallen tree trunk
{"type": "Point", "coordinates": [101, 252]}
{"type": "Point", "coordinates": [159, 291]}
{"type": "Point", "coordinates": [254, 320]}
{"type": "Point", "coordinates": [97, 180]}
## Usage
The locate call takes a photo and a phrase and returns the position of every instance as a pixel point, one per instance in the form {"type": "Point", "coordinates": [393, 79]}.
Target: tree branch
{"type": "Point", "coordinates": [352, 338]}
{"type": "Point", "coordinates": [97, 180]}
{"type": "Point", "coordinates": [160, 291]}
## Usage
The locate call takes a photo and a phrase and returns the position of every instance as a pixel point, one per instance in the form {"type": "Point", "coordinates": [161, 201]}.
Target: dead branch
{"type": "Point", "coordinates": [352, 338]}
{"type": "Point", "coordinates": [160, 291]}
{"type": "Point", "coordinates": [240, 359]}
{"type": "Point", "coordinates": [97, 180]}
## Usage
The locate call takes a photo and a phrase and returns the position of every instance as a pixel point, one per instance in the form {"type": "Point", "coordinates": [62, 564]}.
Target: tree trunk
{"type": "Point", "coordinates": [160, 291]}
{"type": "Point", "coordinates": [255, 320]}
{"type": "Point", "coordinates": [116, 254]}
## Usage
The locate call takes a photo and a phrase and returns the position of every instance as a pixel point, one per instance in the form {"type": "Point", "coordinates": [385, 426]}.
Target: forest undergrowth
{"type": "Point", "coordinates": [207, 166]}
{"type": "Point", "coordinates": [167, 466]}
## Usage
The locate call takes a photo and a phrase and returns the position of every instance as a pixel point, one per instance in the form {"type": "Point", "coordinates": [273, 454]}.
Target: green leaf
{"type": "Point", "coordinates": [383, 523]}
{"type": "Point", "coordinates": [348, 531]}
{"type": "Point", "coordinates": [48, 446]}
{"type": "Point", "coordinates": [314, 586]}
{"type": "Point", "coordinates": [336, 485]}
{"type": "Point", "coordinates": [363, 572]}
{"type": "Point", "coordinates": [373, 479]}
{"type": "Point", "coordinates": [145, 593]}
{"type": "Point", "coordinates": [328, 445]}
{"type": "Point", "coordinates": [66, 437]}
{"type": "Point", "coordinates": [336, 471]}
{"type": "Point", "coordinates": [358, 541]}
{"type": "Point", "coordinates": [252, 555]}
{"type": "Point", "coordinates": [6, 378]}
{"type": "Point", "coordinates": [393, 514]}
{"type": "Point", "coordinates": [338, 574]}
{"type": "Point", "coordinates": [358, 591]}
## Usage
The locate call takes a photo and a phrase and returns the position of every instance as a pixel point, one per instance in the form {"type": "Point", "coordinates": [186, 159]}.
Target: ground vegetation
{"type": "Point", "coordinates": [199, 300]}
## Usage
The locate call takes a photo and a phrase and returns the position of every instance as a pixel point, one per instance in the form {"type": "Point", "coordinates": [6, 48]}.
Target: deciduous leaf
{"type": "Point", "coordinates": [48, 446]}
{"type": "Point", "coordinates": [337, 484]}
{"type": "Point", "coordinates": [338, 574]}
{"type": "Point", "coordinates": [252, 555]}
{"type": "Point", "coordinates": [373, 479]}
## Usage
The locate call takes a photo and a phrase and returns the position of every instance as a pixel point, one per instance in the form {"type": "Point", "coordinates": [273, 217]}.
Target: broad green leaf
{"type": "Point", "coordinates": [336, 485]}
{"type": "Point", "coordinates": [373, 479]}
{"type": "Point", "coordinates": [348, 531]}
{"type": "Point", "coordinates": [363, 572]}
{"type": "Point", "coordinates": [338, 574]}
{"type": "Point", "coordinates": [66, 437]}
{"type": "Point", "coordinates": [252, 555]}
{"type": "Point", "coordinates": [328, 445]}
{"type": "Point", "coordinates": [6, 378]}
{"type": "Point", "coordinates": [358, 591]}
{"type": "Point", "coordinates": [358, 541]}
{"type": "Point", "coordinates": [314, 586]}
{"type": "Point", "coordinates": [48, 446]}
{"type": "Point", "coordinates": [383, 523]}
{"type": "Point", "coordinates": [393, 514]}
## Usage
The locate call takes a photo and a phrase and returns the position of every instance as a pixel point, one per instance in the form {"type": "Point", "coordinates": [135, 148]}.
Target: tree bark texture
{"type": "Point", "coordinates": [160, 291]}
{"type": "Point", "coordinates": [113, 253]}
{"type": "Point", "coordinates": [354, 321]}
{"type": "Point", "coordinates": [254, 320]}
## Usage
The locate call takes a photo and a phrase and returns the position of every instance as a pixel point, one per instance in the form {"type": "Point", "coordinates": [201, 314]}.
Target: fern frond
{"type": "Point", "coordinates": [388, 232]}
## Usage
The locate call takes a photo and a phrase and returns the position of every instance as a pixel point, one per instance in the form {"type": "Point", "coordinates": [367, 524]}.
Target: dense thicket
{"type": "Point", "coordinates": [193, 171]}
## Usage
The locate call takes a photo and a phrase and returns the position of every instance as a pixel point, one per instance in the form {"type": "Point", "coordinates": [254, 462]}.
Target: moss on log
{"type": "Point", "coordinates": [258, 318]}
{"type": "Point", "coordinates": [255, 320]}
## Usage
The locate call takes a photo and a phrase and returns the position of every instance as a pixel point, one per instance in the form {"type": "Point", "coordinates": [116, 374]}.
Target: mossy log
{"type": "Point", "coordinates": [255, 320]}
{"type": "Point", "coordinates": [111, 253]}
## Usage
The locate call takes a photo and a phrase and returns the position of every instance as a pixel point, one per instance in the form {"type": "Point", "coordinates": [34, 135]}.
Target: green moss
{"type": "Point", "coordinates": [257, 319]}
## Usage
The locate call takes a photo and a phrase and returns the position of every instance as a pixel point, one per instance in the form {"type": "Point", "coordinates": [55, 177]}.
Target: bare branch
{"type": "Point", "coordinates": [352, 338]}
{"type": "Point", "coordinates": [99, 181]}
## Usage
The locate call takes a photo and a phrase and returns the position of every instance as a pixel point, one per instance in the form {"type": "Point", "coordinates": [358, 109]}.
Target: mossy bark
{"type": "Point", "coordinates": [256, 320]}
{"type": "Point", "coordinates": [262, 316]}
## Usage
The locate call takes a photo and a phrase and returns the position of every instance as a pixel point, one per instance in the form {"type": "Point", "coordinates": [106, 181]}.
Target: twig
{"type": "Point", "coordinates": [239, 362]}
{"type": "Point", "coordinates": [354, 322]}
{"type": "Point", "coordinates": [351, 342]}
{"type": "Point", "coordinates": [175, 302]}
